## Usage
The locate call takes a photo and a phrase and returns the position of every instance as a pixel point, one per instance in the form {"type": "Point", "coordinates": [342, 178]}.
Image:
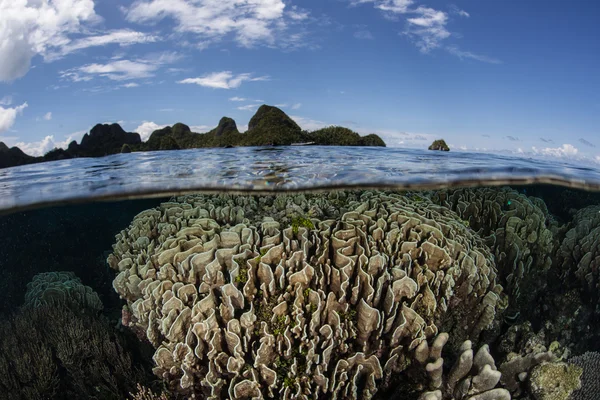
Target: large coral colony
{"type": "Point", "coordinates": [354, 295]}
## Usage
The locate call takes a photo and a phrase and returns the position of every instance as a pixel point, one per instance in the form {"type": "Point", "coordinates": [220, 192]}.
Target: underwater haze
{"type": "Point", "coordinates": [300, 273]}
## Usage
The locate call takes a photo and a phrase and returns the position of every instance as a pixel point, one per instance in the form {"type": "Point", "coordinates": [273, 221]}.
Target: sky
{"type": "Point", "coordinates": [510, 76]}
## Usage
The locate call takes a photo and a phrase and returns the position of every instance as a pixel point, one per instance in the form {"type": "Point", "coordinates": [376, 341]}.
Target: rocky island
{"type": "Point", "coordinates": [440, 145]}
{"type": "Point", "coordinates": [270, 126]}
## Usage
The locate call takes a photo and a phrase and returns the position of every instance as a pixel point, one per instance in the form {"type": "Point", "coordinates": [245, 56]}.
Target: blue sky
{"type": "Point", "coordinates": [503, 76]}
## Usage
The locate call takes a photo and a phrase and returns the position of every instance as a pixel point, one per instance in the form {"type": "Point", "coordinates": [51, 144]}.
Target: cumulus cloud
{"type": "Point", "coordinates": [249, 22]}
{"type": "Point", "coordinates": [48, 116]}
{"type": "Point", "coordinates": [119, 70]}
{"type": "Point", "coordinates": [48, 143]}
{"type": "Point", "coordinates": [9, 115]}
{"type": "Point", "coordinates": [52, 29]}
{"type": "Point", "coordinates": [146, 129]}
{"type": "Point", "coordinates": [223, 80]}
{"type": "Point", "coordinates": [566, 150]}
{"type": "Point", "coordinates": [37, 27]}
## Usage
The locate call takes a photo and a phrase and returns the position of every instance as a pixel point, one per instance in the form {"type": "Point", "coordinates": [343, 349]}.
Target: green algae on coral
{"type": "Point", "coordinates": [554, 381]}
{"type": "Point", "coordinates": [301, 221]}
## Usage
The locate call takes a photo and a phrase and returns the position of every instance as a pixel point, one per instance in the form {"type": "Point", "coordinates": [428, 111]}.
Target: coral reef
{"type": "Point", "coordinates": [514, 226]}
{"type": "Point", "coordinates": [143, 393]}
{"type": "Point", "coordinates": [62, 289]}
{"type": "Point", "coordinates": [50, 351]}
{"type": "Point", "coordinates": [473, 376]}
{"type": "Point", "coordinates": [554, 381]}
{"type": "Point", "coordinates": [579, 254]}
{"type": "Point", "coordinates": [239, 305]}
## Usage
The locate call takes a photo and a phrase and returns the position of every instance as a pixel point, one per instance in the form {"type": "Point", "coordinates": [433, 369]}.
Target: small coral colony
{"type": "Point", "coordinates": [453, 294]}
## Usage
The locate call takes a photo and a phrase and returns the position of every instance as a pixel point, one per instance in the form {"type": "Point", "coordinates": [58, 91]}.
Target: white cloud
{"type": "Point", "coordinates": [597, 159]}
{"type": "Point", "coordinates": [6, 101]}
{"type": "Point", "coordinates": [297, 14]}
{"type": "Point", "coordinates": [428, 28]}
{"type": "Point", "coordinates": [394, 6]}
{"type": "Point", "coordinates": [146, 129]}
{"type": "Point", "coordinates": [48, 143]}
{"type": "Point", "coordinates": [119, 70]}
{"type": "Point", "coordinates": [249, 22]}
{"type": "Point", "coordinates": [281, 105]}
{"type": "Point", "coordinates": [200, 128]}
{"type": "Point", "coordinates": [309, 124]}
{"type": "Point", "coordinates": [28, 28]}
{"type": "Point", "coordinates": [9, 115]}
{"type": "Point", "coordinates": [223, 80]}
{"type": "Point", "coordinates": [248, 107]}
{"type": "Point", "coordinates": [48, 116]}
{"type": "Point", "coordinates": [235, 98]}
{"type": "Point", "coordinates": [122, 37]}
{"type": "Point", "coordinates": [461, 13]}
{"type": "Point", "coordinates": [454, 50]}
{"type": "Point", "coordinates": [296, 106]}
{"type": "Point", "coordinates": [47, 28]}
{"type": "Point", "coordinates": [130, 85]}
{"type": "Point", "coordinates": [425, 25]}
{"type": "Point", "coordinates": [566, 150]}
{"type": "Point", "coordinates": [116, 70]}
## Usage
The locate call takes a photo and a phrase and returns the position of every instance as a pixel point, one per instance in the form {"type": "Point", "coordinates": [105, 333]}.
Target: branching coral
{"type": "Point", "coordinates": [472, 377]}
{"type": "Point", "coordinates": [515, 228]}
{"type": "Point", "coordinates": [52, 352]}
{"type": "Point", "coordinates": [325, 312]}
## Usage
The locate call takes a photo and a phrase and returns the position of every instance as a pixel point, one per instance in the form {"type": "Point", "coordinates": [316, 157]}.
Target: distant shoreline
{"type": "Point", "coordinates": [270, 126]}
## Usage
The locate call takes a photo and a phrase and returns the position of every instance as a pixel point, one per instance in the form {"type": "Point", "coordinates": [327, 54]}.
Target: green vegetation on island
{"type": "Point", "coordinates": [439, 144]}
{"type": "Point", "coordinates": [270, 126]}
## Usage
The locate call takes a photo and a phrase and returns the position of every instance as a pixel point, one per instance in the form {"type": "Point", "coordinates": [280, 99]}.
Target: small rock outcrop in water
{"type": "Point", "coordinates": [269, 126]}
{"type": "Point", "coordinates": [439, 144]}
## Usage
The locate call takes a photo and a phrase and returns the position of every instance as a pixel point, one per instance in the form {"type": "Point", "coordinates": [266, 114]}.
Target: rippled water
{"type": "Point", "coordinates": [274, 168]}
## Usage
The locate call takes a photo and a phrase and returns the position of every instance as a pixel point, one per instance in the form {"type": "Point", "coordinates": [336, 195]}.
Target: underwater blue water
{"type": "Point", "coordinates": [274, 168]}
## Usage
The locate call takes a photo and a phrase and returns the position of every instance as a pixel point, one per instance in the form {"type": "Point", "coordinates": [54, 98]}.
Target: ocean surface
{"type": "Point", "coordinates": [300, 273]}
{"type": "Point", "coordinates": [267, 169]}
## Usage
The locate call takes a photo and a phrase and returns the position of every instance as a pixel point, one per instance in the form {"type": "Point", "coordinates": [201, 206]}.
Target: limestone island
{"type": "Point", "coordinates": [270, 126]}
{"type": "Point", "coordinates": [439, 144]}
